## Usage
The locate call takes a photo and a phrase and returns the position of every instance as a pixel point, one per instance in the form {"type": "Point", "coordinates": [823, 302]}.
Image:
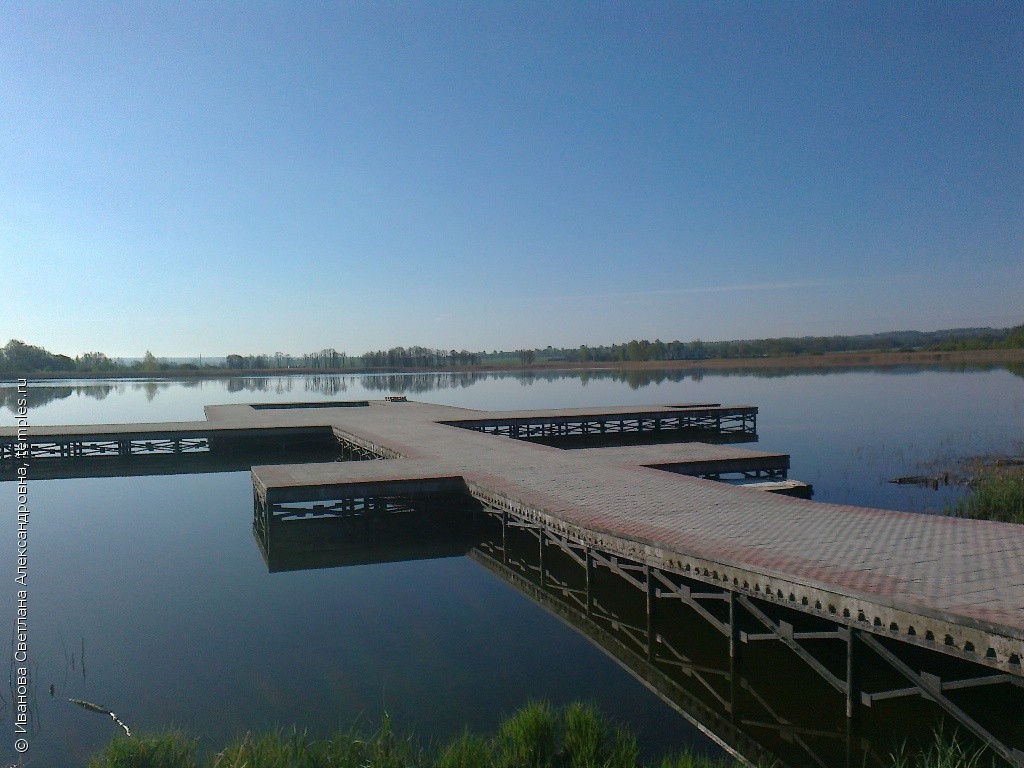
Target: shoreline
{"type": "Point", "coordinates": [827, 361]}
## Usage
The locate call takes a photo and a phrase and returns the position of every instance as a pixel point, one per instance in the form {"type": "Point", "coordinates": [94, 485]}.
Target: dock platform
{"type": "Point", "coordinates": [950, 586]}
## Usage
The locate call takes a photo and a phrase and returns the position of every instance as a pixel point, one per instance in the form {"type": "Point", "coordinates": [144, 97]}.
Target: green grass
{"type": "Point", "coordinates": [537, 736]}
{"type": "Point", "coordinates": [294, 749]}
{"type": "Point", "coordinates": [946, 752]}
{"type": "Point", "coordinates": [585, 742]}
{"type": "Point", "coordinates": [686, 760]}
{"type": "Point", "coordinates": [997, 493]}
{"type": "Point", "coordinates": [170, 749]}
{"type": "Point", "coordinates": [527, 739]}
{"type": "Point", "coordinates": [467, 751]}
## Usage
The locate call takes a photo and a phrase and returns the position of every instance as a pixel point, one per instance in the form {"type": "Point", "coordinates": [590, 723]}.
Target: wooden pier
{"type": "Point", "coordinates": [882, 582]}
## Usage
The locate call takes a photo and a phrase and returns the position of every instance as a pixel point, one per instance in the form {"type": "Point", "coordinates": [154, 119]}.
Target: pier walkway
{"type": "Point", "coordinates": [952, 579]}
{"type": "Point", "coordinates": [958, 578]}
{"type": "Point", "coordinates": [952, 586]}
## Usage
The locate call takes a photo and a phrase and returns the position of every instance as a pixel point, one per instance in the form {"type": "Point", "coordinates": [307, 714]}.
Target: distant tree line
{"type": "Point", "coordinates": [418, 357]}
{"type": "Point", "coordinates": [329, 358]}
{"type": "Point", "coordinates": [897, 341]}
{"type": "Point", "coordinates": [631, 351]}
{"type": "Point", "coordinates": [18, 357]}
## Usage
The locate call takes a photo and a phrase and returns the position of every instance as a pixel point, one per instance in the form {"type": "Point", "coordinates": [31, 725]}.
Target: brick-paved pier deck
{"type": "Point", "coordinates": [954, 584]}
{"type": "Point", "coordinates": [957, 585]}
{"type": "Point", "coordinates": [950, 586]}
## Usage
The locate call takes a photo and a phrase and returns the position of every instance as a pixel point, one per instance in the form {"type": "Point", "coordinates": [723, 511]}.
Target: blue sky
{"type": "Point", "coordinates": [206, 178]}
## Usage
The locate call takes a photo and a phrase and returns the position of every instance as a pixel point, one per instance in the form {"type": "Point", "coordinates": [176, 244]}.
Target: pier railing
{"type": "Point", "coordinates": [723, 421]}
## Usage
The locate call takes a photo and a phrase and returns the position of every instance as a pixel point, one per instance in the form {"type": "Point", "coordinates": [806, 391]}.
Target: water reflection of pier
{"type": "Point", "coordinates": [765, 683]}
{"type": "Point", "coordinates": [373, 528]}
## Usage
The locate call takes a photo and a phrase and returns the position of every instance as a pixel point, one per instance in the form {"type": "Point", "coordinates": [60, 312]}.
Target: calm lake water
{"type": "Point", "coordinates": [149, 595]}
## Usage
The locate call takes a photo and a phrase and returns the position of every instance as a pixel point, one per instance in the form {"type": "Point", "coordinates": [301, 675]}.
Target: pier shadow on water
{"type": "Point", "coordinates": [707, 657]}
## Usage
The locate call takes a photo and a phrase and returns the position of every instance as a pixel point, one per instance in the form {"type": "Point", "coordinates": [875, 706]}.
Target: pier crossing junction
{"type": "Point", "coordinates": [758, 566]}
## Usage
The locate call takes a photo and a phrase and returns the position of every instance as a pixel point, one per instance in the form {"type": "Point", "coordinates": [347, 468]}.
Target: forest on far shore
{"type": "Point", "coordinates": [18, 357]}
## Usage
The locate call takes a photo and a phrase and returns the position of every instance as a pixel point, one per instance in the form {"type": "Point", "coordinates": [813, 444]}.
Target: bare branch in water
{"type": "Point", "coordinates": [101, 710]}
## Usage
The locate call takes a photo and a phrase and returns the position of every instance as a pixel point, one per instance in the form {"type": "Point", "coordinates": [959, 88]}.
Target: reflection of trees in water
{"type": "Point", "coordinates": [898, 369]}
{"type": "Point", "coordinates": [422, 382]}
{"type": "Point", "coordinates": [100, 391]}
{"type": "Point", "coordinates": [413, 383]}
{"type": "Point", "coordinates": [327, 385]}
{"type": "Point", "coordinates": [337, 384]}
{"type": "Point", "coordinates": [425, 382]}
{"type": "Point", "coordinates": [39, 396]}
{"type": "Point", "coordinates": [151, 388]}
{"type": "Point", "coordinates": [281, 385]}
{"type": "Point", "coordinates": [248, 384]}
{"type": "Point", "coordinates": [637, 378]}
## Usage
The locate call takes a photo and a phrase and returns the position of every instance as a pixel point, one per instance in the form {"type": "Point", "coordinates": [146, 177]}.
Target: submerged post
{"type": "Point", "coordinates": [852, 674]}
{"type": "Point", "coordinates": [590, 575]}
{"type": "Point", "coordinates": [541, 535]}
{"type": "Point", "coordinates": [734, 625]}
{"type": "Point", "coordinates": [504, 536]}
{"type": "Point", "coordinates": [652, 593]}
